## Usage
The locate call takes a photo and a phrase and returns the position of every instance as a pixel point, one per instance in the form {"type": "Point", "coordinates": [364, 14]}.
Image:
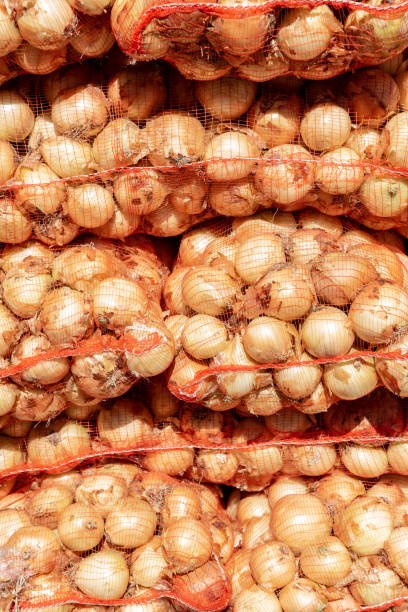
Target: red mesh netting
{"type": "Point", "coordinates": [261, 40]}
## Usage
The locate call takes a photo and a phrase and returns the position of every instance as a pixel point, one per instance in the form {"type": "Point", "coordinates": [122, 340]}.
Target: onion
{"type": "Point", "coordinates": [384, 196]}
{"type": "Point", "coordinates": [89, 205]}
{"type": "Point", "coordinates": [236, 384]}
{"type": "Point", "coordinates": [183, 372]}
{"type": "Point", "coordinates": [181, 502]}
{"type": "Point", "coordinates": [80, 527]}
{"type": "Point", "coordinates": [339, 600]}
{"type": "Point", "coordinates": [396, 479]}
{"type": "Point", "coordinates": [375, 582]}
{"type": "Point", "coordinates": [240, 36]}
{"type": "Point", "coordinates": [9, 328]}
{"type": "Point", "coordinates": [390, 493]}
{"type": "Point", "coordinates": [67, 157]}
{"type": "Point", "coordinates": [307, 245]}
{"type": "Point", "coordinates": [40, 189]}
{"type": "Point", "coordinates": [140, 193]}
{"type": "Point", "coordinates": [364, 461]}
{"type": "Point", "coordinates": [256, 255]}
{"type": "Point", "coordinates": [298, 381]}
{"type": "Point", "coordinates": [119, 226]}
{"type": "Point", "coordinates": [9, 33]}
{"type": "Point", "coordinates": [43, 373]}
{"type": "Point", "coordinates": [174, 139]}
{"type": "Point", "coordinates": [198, 62]}
{"type": "Point", "coordinates": [256, 599]}
{"type": "Point", "coordinates": [137, 91]}
{"type": "Point", "coordinates": [285, 174]}
{"type": "Point", "coordinates": [276, 118]}
{"type": "Point", "coordinates": [230, 156]}
{"type": "Point", "coordinates": [204, 336]}
{"type": "Point", "coordinates": [372, 97]}
{"type": "Point", "coordinates": [45, 24]}
{"type": "Point", "coordinates": [257, 531]}
{"type": "Point", "coordinates": [7, 160]}
{"type": "Point", "coordinates": [272, 565]}
{"type": "Point", "coordinates": [339, 171]}
{"type": "Point", "coordinates": [312, 219]}
{"type": "Point", "coordinates": [239, 573]}
{"type": "Point", "coordinates": [286, 485]}
{"type": "Point", "coordinates": [387, 264]}
{"type": "Point", "coordinates": [117, 302]}
{"type": "Point", "coordinates": [306, 33]}
{"type": "Point", "coordinates": [46, 505]}
{"type": "Point", "coordinates": [103, 575]}
{"type": "Point", "coordinates": [187, 544]}
{"type": "Point", "coordinates": [170, 461]}
{"type": "Point", "coordinates": [102, 375]}
{"type": "Point", "coordinates": [217, 466]}
{"type": "Point", "coordinates": [268, 340]}
{"type": "Point", "coordinates": [118, 144]}
{"type": "Point", "coordinates": [80, 112]}
{"type": "Point", "coordinates": [94, 38]}
{"type": "Point", "coordinates": [82, 267]}
{"type": "Point", "coordinates": [264, 402]}
{"type": "Point", "coordinates": [286, 293]}
{"type": "Point", "coordinates": [327, 563]}
{"type": "Point", "coordinates": [19, 256]}
{"type": "Point", "coordinates": [163, 404]}
{"type": "Point", "coordinates": [395, 547]}
{"type": "Point", "coordinates": [300, 520]}
{"type": "Point", "coordinates": [338, 490]}
{"type": "Point", "coordinates": [226, 98]}
{"type": "Point", "coordinates": [194, 243]}
{"type": "Point", "coordinates": [302, 594]}
{"type": "Point", "coordinates": [281, 223]}
{"type": "Point", "coordinates": [131, 523]}
{"type": "Point", "coordinates": [36, 548]}
{"type": "Point", "coordinates": [150, 361]}
{"type": "Point", "coordinates": [9, 394]}
{"type": "Point", "coordinates": [400, 513]}
{"type": "Point", "coordinates": [325, 126]}
{"type": "Point", "coordinates": [352, 379]}
{"type": "Point", "coordinates": [69, 480]}
{"type": "Point", "coordinates": [16, 428]}
{"type": "Point", "coordinates": [148, 564]}
{"type": "Point", "coordinates": [337, 277]}
{"type": "Point", "coordinates": [208, 291]}
{"type": "Point", "coordinates": [24, 290]}
{"type": "Point", "coordinates": [16, 117]}
{"type": "Point", "coordinates": [366, 142]}
{"type": "Point", "coordinates": [365, 525]}
{"type": "Point", "coordinates": [188, 196]}
{"type": "Point", "coordinates": [378, 312]}
{"type": "Point", "coordinates": [39, 61]}
{"type": "Point", "coordinates": [65, 315]}
{"type": "Point", "coordinates": [397, 454]}
{"type": "Point", "coordinates": [238, 199]}
{"type": "Point", "coordinates": [167, 221]}
{"type": "Point", "coordinates": [67, 78]}
{"type": "Point", "coordinates": [313, 460]}
{"type": "Point", "coordinates": [58, 442]}
{"type": "Point", "coordinates": [326, 333]}
{"type": "Point", "coordinates": [102, 492]}
{"type": "Point", "coordinates": [11, 520]}
{"type": "Point", "coordinates": [127, 424]}
{"type": "Point", "coordinates": [91, 7]}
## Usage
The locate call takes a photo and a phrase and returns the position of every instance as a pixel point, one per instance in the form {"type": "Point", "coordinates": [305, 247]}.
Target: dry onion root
{"type": "Point", "coordinates": [116, 526]}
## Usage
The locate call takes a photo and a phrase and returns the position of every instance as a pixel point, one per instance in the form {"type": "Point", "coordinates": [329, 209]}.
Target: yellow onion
{"type": "Point", "coordinates": [208, 291]}
{"type": "Point", "coordinates": [40, 189]}
{"type": "Point", "coordinates": [256, 255]}
{"type": "Point", "coordinates": [257, 531]}
{"type": "Point", "coordinates": [131, 523]}
{"type": "Point", "coordinates": [395, 547]}
{"type": "Point", "coordinates": [65, 315]}
{"type": "Point", "coordinates": [16, 117]}
{"type": "Point", "coordinates": [285, 173]}
{"type": "Point", "coordinates": [117, 302]}
{"type": "Point", "coordinates": [58, 442]}
{"type": "Point", "coordinates": [264, 401]}
{"type": "Point", "coordinates": [46, 588]}
{"type": "Point", "coordinates": [24, 290]}
{"type": "Point", "coordinates": [9, 327]}
{"type": "Point", "coordinates": [230, 156]}
{"type": "Point", "coordinates": [352, 379]}
{"type": "Point", "coordinates": [365, 525]}
{"type": "Point", "coordinates": [217, 466]}
{"type": "Point", "coordinates": [378, 311]}
{"type": "Point", "coordinates": [119, 226]}
{"type": "Point", "coordinates": [124, 15]}
{"type": "Point", "coordinates": [239, 572]}
{"type": "Point", "coordinates": [306, 33]}
{"type": "Point", "coordinates": [267, 340]}
{"type": "Point", "coordinates": [102, 492]}
{"type": "Point", "coordinates": [82, 267]}
{"type": "Point", "coordinates": [366, 142]}
{"type": "Point", "coordinates": [256, 599]}
{"type": "Point", "coordinates": [188, 196]}
{"type": "Point", "coordinates": [286, 485]}
{"type": "Point", "coordinates": [148, 564]}
{"type": "Point", "coordinates": [140, 193]}
{"type": "Point", "coordinates": [69, 480]}
{"type": "Point", "coordinates": [397, 454]}
{"type": "Point", "coordinates": [183, 372]}
{"type": "Point", "coordinates": [337, 277]}
{"type": "Point", "coordinates": [364, 461]}
{"type": "Point", "coordinates": [338, 489]}
{"type": "Point", "coordinates": [174, 139]}
{"type": "Point", "coordinates": [312, 460]}
{"type": "Point", "coordinates": [372, 97]}
{"type": "Point", "coordinates": [339, 171]}
{"type": "Point", "coordinates": [375, 582]}
{"type": "Point", "coordinates": [45, 372]}
{"type": "Point", "coordinates": [238, 199]}
{"type": "Point", "coordinates": [302, 594]}
{"type": "Point", "coordinates": [94, 38]}
{"type": "Point", "coordinates": [198, 62]}
{"type": "Point", "coordinates": [226, 98]}
{"type": "Point", "coordinates": [272, 565]}
{"type": "Point", "coordinates": [327, 563]}
{"type": "Point", "coordinates": [300, 520]}
{"type": "Point", "coordinates": [194, 243]}
{"type": "Point", "coordinates": [11, 520]}
{"type": "Point", "coordinates": [384, 196]}
{"type": "Point", "coordinates": [163, 404]}
{"type": "Point", "coordinates": [204, 336]}
{"type": "Point", "coordinates": [39, 61]}
{"type": "Point", "coordinates": [167, 221]}
{"type": "Point", "coordinates": [298, 381]}
{"type": "Point", "coordinates": [103, 575]}
{"type": "Point", "coordinates": [118, 144]}
{"type": "Point", "coordinates": [388, 266]}
{"type": "Point", "coordinates": [9, 33]}
{"type": "Point", "coordinates": [276, 118]}
{"type": "Point", "coordinates": [327, 332]}
{"type": "Point", "coordinates": [46, 505]}
{"type": "Point", "coordinates": [80, 527]}
{"type": "Point", "coordinates": [187, 544]}
{"type": "Point", "coordinates": [44, 24]}
{"type": "Point", "coordinates": [36, 548]}
{"type": "Point", "coordinates": [67, 78]}
{"type": "Point", "coordinates": [170, 461]}
{"type": "Point", "coordinates": [149, 361]}
{"type": "Point", "coordinates": [311, 219]}
{"type": "Point", "coordinates": [306, 245]}
{"type": "Point", "coordinates": [281, 223]}
{"type": "Point", "coordinates": [388, 492]}
{"type": "Point", "coordinates": [286, 293]}
{"type": "Point", "coordinates": [81, 111]}
{"type": "Point", "coordinates": [127, 424]}
{"type": "Point", "coordinates": [67, 157]}
{"type": "Point", "coordinates": [325, 126]}
{"type": "Point", "coordinates": [7, 160]}
{"type": "Point", "coordinates": [137, 91]}
{"type": "Point", "coordinates": [236, 384]}
{"type": "Point", "coordinates": [89, 205]}
{"type": "Point", "coordinates": [102, 375]}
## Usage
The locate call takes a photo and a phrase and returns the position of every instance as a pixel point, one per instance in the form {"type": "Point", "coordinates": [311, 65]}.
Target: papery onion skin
{"type": "Point", "coordinates": [103, 575]}
{"type": "Point", "coordinates": [187, 544]}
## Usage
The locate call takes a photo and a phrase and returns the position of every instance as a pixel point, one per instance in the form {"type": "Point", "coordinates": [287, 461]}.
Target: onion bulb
{"type": "Point", "coordinates": [379, 311]}
{"type": "Point", "coordinates": [384, 196]}
{"type": "Point", "coordinates": [80, 527]}
{"type": "Point", "coordinates": [396, 549]}
{"type": "Point", "coordinates": [67, 157]}
{"type": "Point", "coordinates": [131, 523]}
{"type": "Point", "coordinates": [276, 118]}
{"type": "Point", "coordinates": [39, 61]}
{"type": "Point", "coordinates": [187, 544]}
{"type": "Point", "coordinates": [45, 24]}
{"type": "Point", "coordinates": [174, 139]}
{"type": "Point", "coordinates": [89, 205]}
{"type": "Point", "coordinates": [46, 505]}
{"type": "Point", "coordinates": [298, 381]}
{"type": "Point", "coordinates": [137, 91]}
{"type": "Point", "coordinates": [65, 315]}
{"type": "Point", "coordinates": [366, 142]}
{"type": "Point", "coordinates": [365, 525]}
{"type": "Point", "coordinates": [230, 156]}
{"type": "Point", "coordinates": [339, 171]}
{"type": "Point", "coordinates": [102, 375]}
{"type": "Point", "coordinates": [364, 461]}
{"type": "Point", "coordinates": [10, 36]}
{"type": "Point", "coordinates": [40, 188]}
{"type": "Point", "coordinates": [238, 199]}
{"type": "Point", "coordinates": [300, 521]}
{"type": "Point", "coordinates": [256, 599]}
{"type": "Point", "coordinates": [118, 144]}
{"type": "Point", "coordinates": [397, 454]}
{"type": "Point", "coordinates": [302, 594]}
{"type": "Point", "coordinates": [102, 492]}
{"type": "Point", "coordinates": [236, 384]}
{"type": "Point", "coordinates": [103, 575]}
{"type": "Point", "coordinates": [93, 38]}
{"type": "Point", "coordinates": [256, 255]}
{"type": "Point", "coordinates": [24, 290]}
{"type": "Point", "coordinates": [204, 336]}
{"type": "Point", "coordinates": [272, 565]}
{"type": "Point", "coordinates": [306, 33]}
{"type": "Point", "coordinates": [140, 193]}
{"type": "Point", "coordinates": [7, 160]}
{"type": "Point", "coordinates": [148, 564]}
{"type": "Point", "coordinates": [149, 361]}
{"type": "Point", "coordinates": [117, 302]}
{"type": "Point", "coordinates": [286, 485]}
{"type": "Point", "coordinates": [286, 293]}
{"type": "Point", "coordinates": [312, 460]}
{"type": "Point", "coordinates": [226, 98]}
{"type": "Point", "coordinates": [9, 327]}
{"type": "Point", "coordinates": [306, 245]}
{"type": "Point", "coordinates": [16, 117]}
{"type": "Point", "coordinates": [375, 582]}
{"type": "Point", "coordinates": [372, 97]}
{"type": "Point", "coordinates": [45, 372]}
{"type": "Point", "coordinates": [11, 454]}
{"type": "Point", "coordinates": [127, 424]}
{"type": "Point", "coordinates": [325, 126]}
{"type": "Point", "coordinates": [36, 548]}
{"type": "Point", "coordinates": [209, 291]}
{"type": "Point", "coordinates": [80, 112]}
{"type": "Point", "coordinates": [338, 490]}
{"type": "Point", "coordinates": [11, 520]}
{"type": "Point", "coordinates": [326, 563]}
{"type": "Point", "coordinates": [327, 332]}
{"type": "Point", "coordinates": [57, 443]}
{"type": "Point", "coordinates": [352, 379]}
{"type": "Point", "coordinates": [268, 340]}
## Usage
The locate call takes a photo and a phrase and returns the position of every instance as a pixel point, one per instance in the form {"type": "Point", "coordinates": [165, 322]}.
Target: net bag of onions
{"type": "Point", "coordinates": [284, 309]}
{"type": "Point", "coordinates": [78, 325]}
{"type": "Point", "coordinates": [114, 535]}
{"type": "Point", "coordinates": [260, 40]}
{"type": "Point", "coordinates": [336, 543]}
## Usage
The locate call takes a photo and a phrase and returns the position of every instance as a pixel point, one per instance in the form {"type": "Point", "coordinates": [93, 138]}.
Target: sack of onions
{"type": "Point", "coordinates": [115, 533]}
{"type": "Point", "coordinates": [335, 543]}
{"type": "Point", "coordinates": [285, 309]}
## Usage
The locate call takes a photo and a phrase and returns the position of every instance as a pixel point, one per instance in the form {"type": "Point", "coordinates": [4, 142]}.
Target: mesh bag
{"type": "Point", "coordinates": [140, 149]}
{"type": "Point", "coordinates": [280, 309]}
{"type": "Point", "coordinates": [114, 535]}
{"type": "Point", "coordinates": [335, 543]}
{"type": "Point", "coordinates": [261, 40]}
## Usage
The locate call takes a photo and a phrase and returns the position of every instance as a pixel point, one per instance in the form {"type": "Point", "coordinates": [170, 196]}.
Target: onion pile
{"type": "Point", "coordinates": [309, 42]}
{"type": "Point", "coordinates": [305, 289]}
{"type": "Point", "coordinates": [113, 532]}
{"type": "Point", "coordinates": [308, 544]}
{"type": "Point", "coordinates": [54, 303]}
